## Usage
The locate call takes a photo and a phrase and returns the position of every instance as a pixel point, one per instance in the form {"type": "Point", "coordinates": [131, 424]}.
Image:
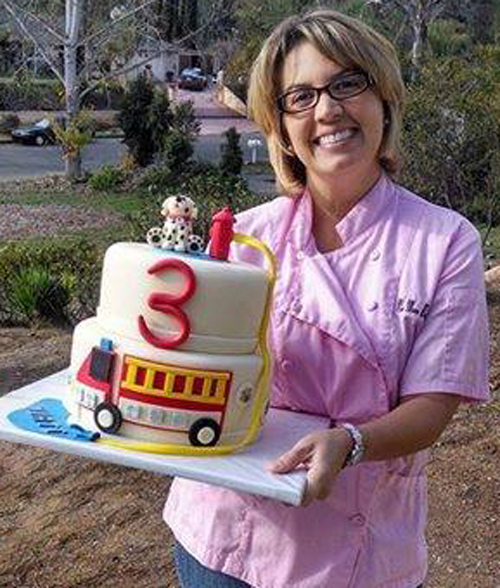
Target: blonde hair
{"type": "Point", "coordinates": [348, 42]}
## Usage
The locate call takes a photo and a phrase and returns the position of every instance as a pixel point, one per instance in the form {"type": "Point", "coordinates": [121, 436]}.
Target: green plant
{"type": "Point", "coordinates": [27, 290]}
{"type": "Point", "coordinates": [145, 118]}
{"type": "Point", "coordinates": [184, 120]}
{"type": "Point", "coordinates": [134, 120]}
{"type": "Point", "coordinates": [54, 279]}
{"type": "Point", "coordinates": [23, 92]}
{"type": "Point", "coordinates": [107, 178]}
{"type": "Point", "coordinates": [232, 156]}
{"type": "Point", "coordinates": [35, 293]}
{"type": "Point", "coordinates": [73, 135]}
{"type": "Point", "coordinates": [205, 183]}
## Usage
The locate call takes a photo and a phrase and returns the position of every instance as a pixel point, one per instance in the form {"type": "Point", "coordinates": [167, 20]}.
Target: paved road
{"type": "Point", "coordinates": [29, 161]}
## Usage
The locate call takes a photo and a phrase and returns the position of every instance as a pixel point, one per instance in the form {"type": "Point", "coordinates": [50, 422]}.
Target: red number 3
{"type": "Point", "coordinates": [169, 304]}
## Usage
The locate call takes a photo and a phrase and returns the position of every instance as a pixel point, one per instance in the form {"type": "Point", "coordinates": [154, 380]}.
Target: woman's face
{"type": "Point", "coordinates": [335, 140]}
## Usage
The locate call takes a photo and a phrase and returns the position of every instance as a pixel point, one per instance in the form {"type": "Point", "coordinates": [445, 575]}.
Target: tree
{"type": "Point", "coordinates": [253, 21]}
{"type": "Point", "coordinates": [452, 135]}
{"type": "Point", "coordinates": [417, 16]}
{"type": "Point", "coordinates": [78, 27]}
{"type": "Point", "coordinates": [232, 156]}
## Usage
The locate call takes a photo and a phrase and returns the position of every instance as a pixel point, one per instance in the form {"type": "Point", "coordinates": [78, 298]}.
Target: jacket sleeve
{"type": "Point", "coordinates": [450, 354]}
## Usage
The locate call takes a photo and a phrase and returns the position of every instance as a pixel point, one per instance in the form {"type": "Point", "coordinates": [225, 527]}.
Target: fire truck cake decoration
{"type": "Point", "coordinates": [175, 360]}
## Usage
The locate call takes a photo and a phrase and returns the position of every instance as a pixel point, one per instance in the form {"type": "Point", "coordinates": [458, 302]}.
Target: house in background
{"type": "Point", "coordinates": [167, 61]}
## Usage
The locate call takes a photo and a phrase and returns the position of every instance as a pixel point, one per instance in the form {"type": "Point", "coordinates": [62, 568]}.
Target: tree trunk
{"type": "Point", "coordinates": [420, 18]}
{"type": "Point", "coordinates": [73, 158]}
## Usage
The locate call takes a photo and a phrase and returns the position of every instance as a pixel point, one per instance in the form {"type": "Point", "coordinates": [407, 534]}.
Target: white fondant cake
{"type": "Point", "coordinates": [174, 354]}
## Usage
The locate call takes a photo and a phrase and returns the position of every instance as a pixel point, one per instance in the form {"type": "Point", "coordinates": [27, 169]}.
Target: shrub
{"type": "Point", "coordinates": [27, 290]}
{"type": "Point", "coordinates": [35, 293]}
{"type": "Point", "coordinates": [173, 162]}
{"type": "Point", "coordinates": [134, 121]}
{"type": "Point", "coordinates": [55, 280]}
{"type": "Point", "coordinates": [25, 93]}
{"type": "Point", "coordinates": [206, 184]}
{"type": "Point", "coordinates": [232, 156]}
{"type": "Point", "coordinates": [177, 150]}
{"type": "Point", "coordinates": [144, 118]}
{"type": "Point", "coordinates": [184, 120]}
{"type": "Point", "coordinates": [107, 178]}
{"type": "Point", "coordinates": [448, 37]}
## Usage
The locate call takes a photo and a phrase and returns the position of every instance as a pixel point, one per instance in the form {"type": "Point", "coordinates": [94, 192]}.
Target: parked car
{"type": "Point", "coordinates": [192, 78]}
{"type": "Point", "coordinates": [40, 133]}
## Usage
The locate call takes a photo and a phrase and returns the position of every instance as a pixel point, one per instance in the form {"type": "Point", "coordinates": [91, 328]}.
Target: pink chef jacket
{"type": "Point", "coordinates": [400, 309]}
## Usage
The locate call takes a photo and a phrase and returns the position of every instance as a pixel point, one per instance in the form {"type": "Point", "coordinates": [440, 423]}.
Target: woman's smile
{"type": "Point", "coordinates": [332, 139]}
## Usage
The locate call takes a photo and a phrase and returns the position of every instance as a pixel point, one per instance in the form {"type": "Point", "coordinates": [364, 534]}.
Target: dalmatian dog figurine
{"type": "Point", "coordinates": [179, 212]}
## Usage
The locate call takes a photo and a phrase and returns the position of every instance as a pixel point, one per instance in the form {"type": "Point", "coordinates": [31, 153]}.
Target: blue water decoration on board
{"type": "Point", "coordinates": [49, 417]}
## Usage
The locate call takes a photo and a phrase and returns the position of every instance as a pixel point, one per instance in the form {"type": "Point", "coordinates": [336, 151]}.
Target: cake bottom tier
{"type": "Point", "coordinates": [128, 388]}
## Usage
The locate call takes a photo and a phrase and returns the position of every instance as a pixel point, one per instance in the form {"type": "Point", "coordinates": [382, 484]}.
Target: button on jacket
{"type": "Point", "coordinates": [400, 309]}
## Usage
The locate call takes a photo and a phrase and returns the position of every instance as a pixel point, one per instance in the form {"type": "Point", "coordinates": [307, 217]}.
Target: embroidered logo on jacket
{"type": "Point", "coordinates": [410, 306]}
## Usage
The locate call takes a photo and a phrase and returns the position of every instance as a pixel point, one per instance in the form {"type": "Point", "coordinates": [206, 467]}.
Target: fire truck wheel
{"type": "Point", "coordinates": [108, 417]}
{"type": "Point", "coordinates": [204, 433]}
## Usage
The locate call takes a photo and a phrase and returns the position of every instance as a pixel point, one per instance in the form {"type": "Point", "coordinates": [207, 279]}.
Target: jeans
{"type": "Point", "coordinates": [193, 574]}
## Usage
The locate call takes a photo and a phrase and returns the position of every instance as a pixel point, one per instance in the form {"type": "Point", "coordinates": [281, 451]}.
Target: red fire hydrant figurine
{"type": "Point", "coordinates": [221, 233]}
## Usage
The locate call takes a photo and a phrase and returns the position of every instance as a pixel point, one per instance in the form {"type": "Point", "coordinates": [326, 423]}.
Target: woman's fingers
{"type": "Point", "coordinates": [299, 454]}
{"type": "Point", "coordinates": [321, 475]}
{"type": "Point", "coordinates": [323, 454]}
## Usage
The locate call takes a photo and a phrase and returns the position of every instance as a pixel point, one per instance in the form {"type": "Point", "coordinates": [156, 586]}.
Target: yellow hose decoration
{"type": "Point", "coordinates": [262, 381]}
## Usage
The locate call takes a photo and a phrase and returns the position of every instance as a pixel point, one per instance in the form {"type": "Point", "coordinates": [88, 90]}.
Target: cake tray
{"type": "Point", "coordinates": [245, 471]}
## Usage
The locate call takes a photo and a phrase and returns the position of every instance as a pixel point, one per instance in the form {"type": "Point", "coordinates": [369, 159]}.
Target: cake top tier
{"type": "Point", "coordinates": [202, 304]}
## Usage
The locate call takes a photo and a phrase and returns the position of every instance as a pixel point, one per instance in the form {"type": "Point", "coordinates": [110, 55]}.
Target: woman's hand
{"type": "Point", "coordinates": [323, 454]}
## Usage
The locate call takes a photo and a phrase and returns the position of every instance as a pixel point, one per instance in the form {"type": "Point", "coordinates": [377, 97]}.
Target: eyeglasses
{"type": "Point", "coordinates": [342, 86]}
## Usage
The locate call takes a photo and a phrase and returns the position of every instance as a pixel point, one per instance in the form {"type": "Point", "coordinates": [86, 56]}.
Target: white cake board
{"type": "Point", "coordinates": [243, 471]}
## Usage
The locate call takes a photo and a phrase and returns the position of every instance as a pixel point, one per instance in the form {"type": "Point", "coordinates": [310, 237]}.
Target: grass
{"type": "Point", "coordinates": [119, 202]}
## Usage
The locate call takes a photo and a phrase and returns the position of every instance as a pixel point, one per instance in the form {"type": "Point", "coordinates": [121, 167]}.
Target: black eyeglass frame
{"type": "Point", "coordinates": [326, 88]}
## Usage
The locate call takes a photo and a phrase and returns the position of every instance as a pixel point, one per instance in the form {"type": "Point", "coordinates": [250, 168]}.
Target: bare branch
{"type": "Point", "coordinates": [18, 20]}
{"type": "Point", "coordinates": [108, 27]}
{"type": "Point", "coordinates": [35, 17]}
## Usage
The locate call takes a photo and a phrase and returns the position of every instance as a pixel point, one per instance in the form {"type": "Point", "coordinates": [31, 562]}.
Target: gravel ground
{"type": "Point", "coordinates": [17, 221]}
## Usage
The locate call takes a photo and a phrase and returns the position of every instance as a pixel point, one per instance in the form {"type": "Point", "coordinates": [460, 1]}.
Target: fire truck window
{"type": "Point", "coordinates": [159, 381]}
{"type": "Point", "coordinates": [179, 384]}
{"type": "Point", "coordinates": [140, 376]}
{"type": "Point", "coordinates": [213, 389]}
{"type": "Point", "coordinates": [101, 363]}
{"type": "Point", "coordinates": [198, 386]}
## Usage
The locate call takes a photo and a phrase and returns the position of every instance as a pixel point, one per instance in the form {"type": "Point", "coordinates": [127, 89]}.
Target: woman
{"type": "Point", "coordinates": [379, 322]}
